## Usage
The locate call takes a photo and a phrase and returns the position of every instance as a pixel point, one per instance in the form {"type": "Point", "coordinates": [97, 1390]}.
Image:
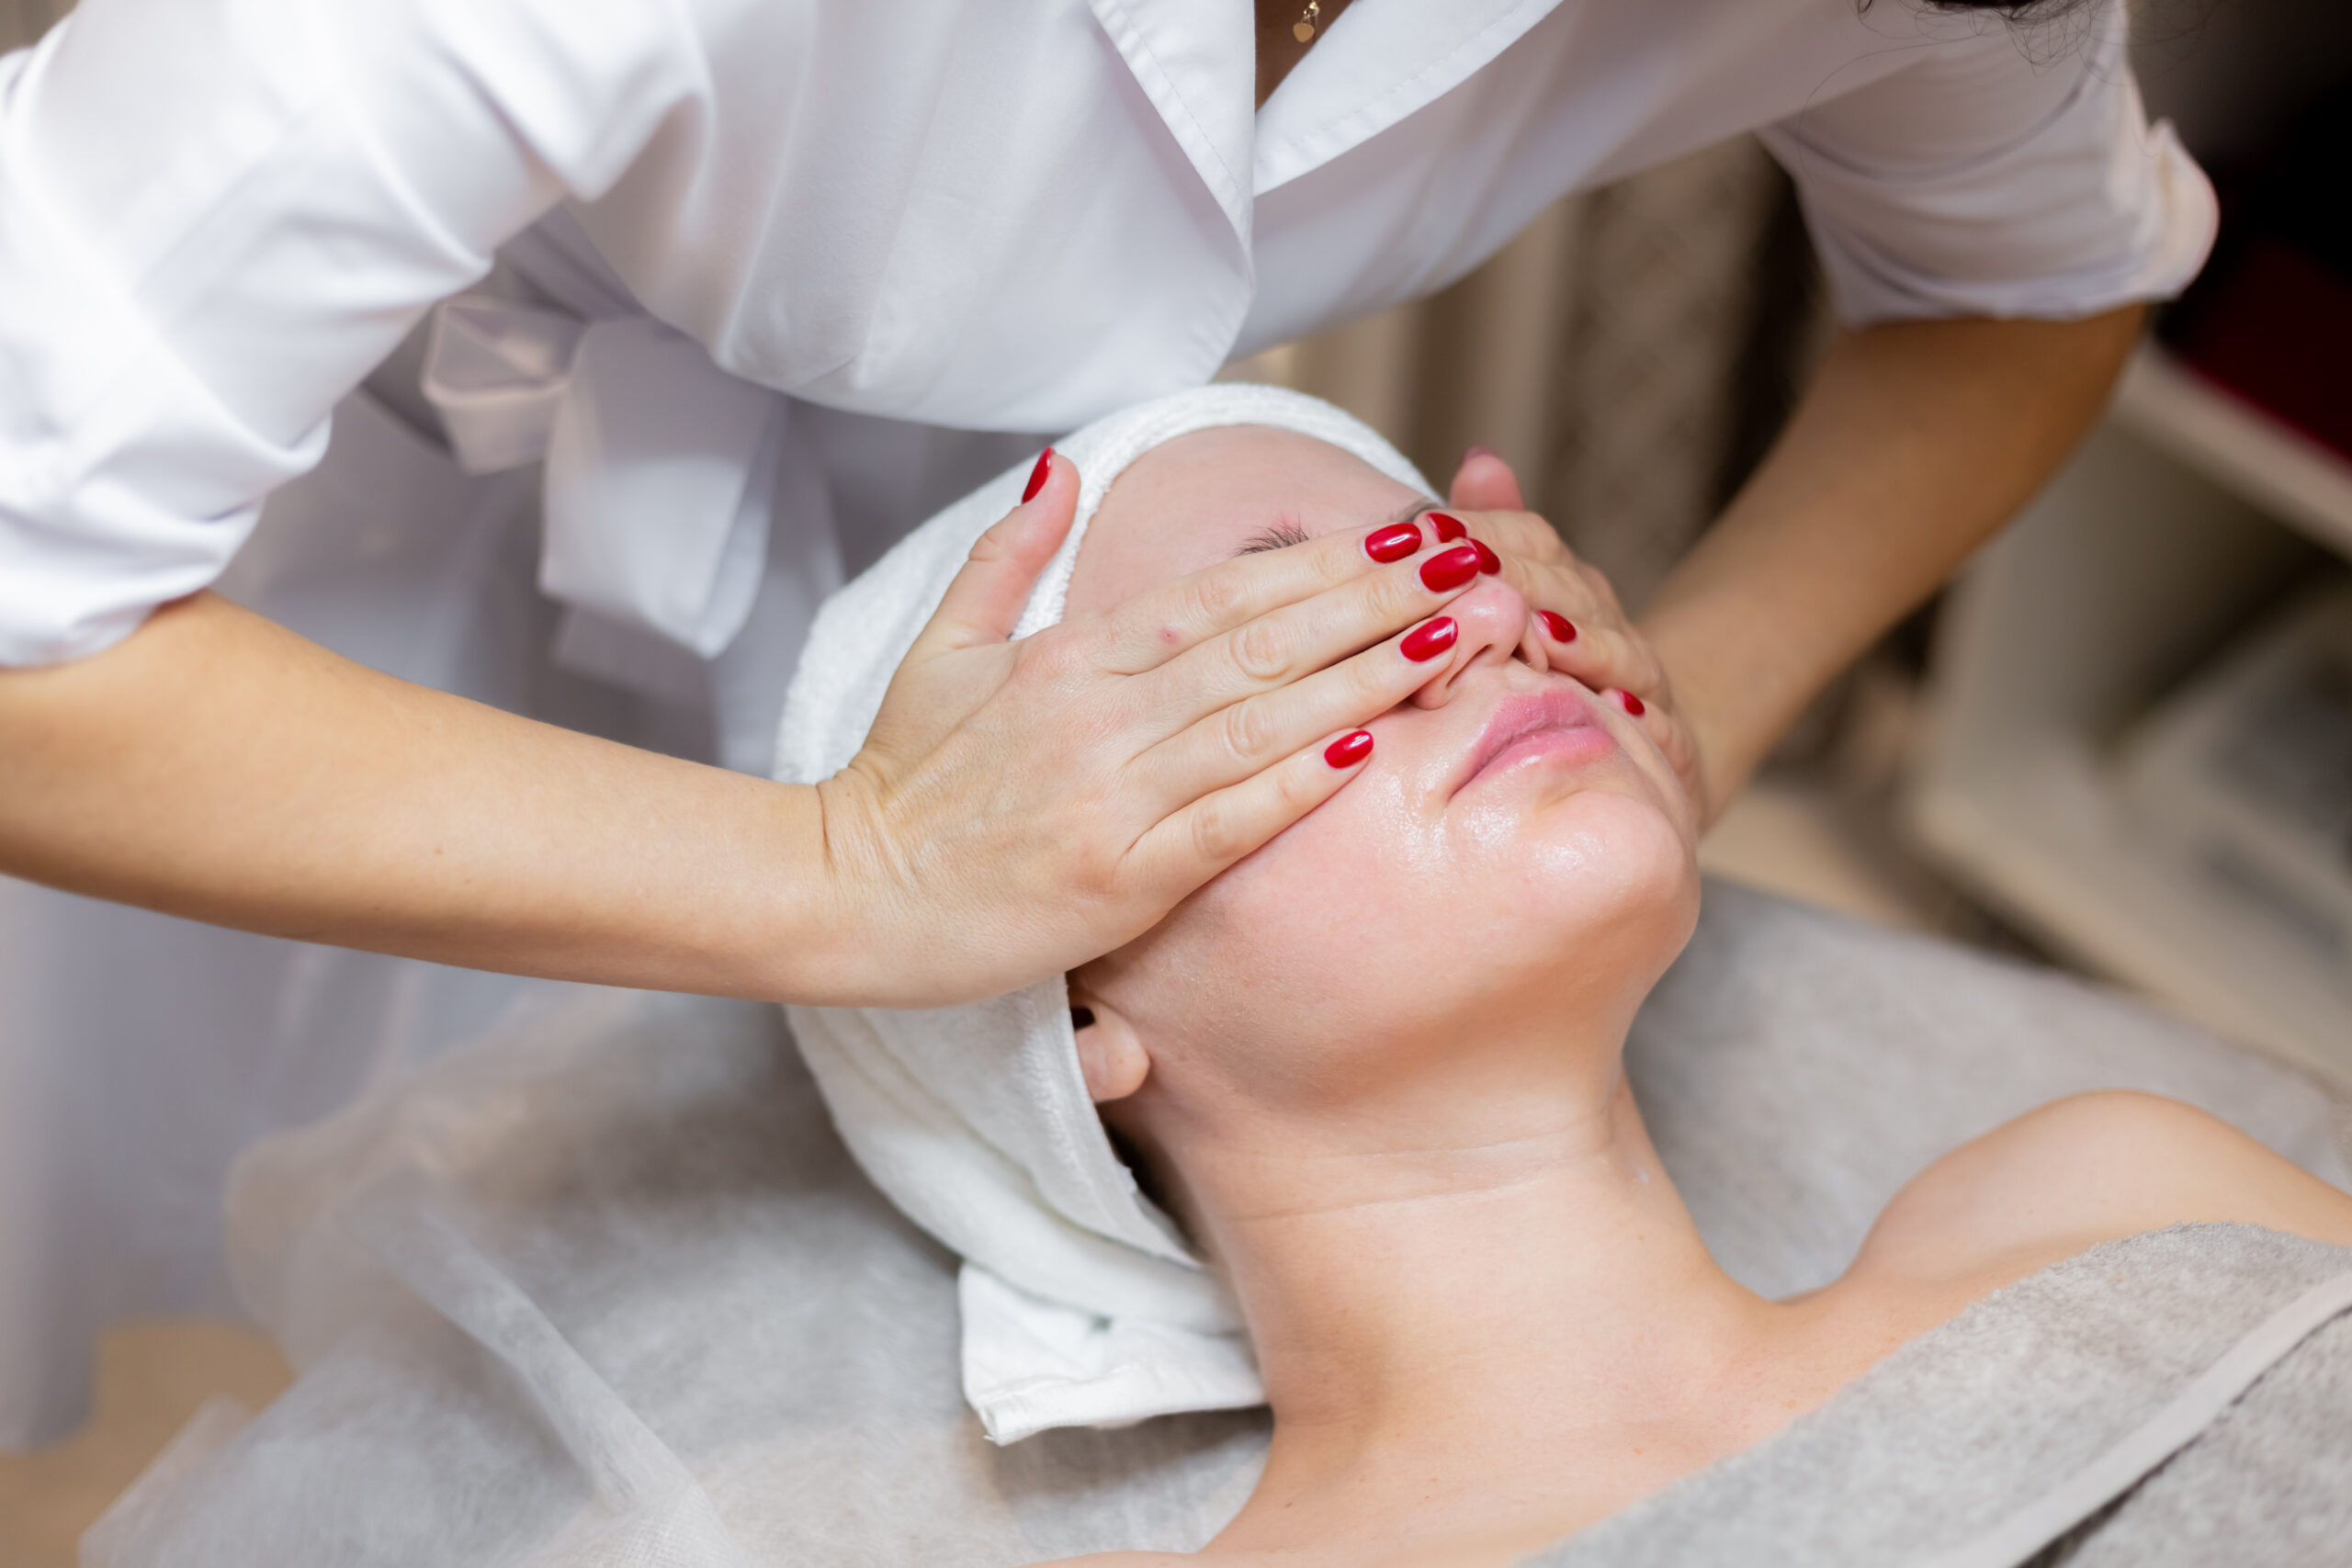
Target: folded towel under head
{"type": "Point", "coordinates": [1082, 1304]}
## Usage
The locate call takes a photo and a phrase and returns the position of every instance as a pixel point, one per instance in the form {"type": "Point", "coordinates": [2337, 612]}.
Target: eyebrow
{"type": "Point", "coordinates": [1283, 535]}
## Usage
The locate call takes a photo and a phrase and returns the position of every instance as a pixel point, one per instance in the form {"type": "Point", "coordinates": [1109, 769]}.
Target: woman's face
{"type": "Point", "coordinates": [1515, 847]}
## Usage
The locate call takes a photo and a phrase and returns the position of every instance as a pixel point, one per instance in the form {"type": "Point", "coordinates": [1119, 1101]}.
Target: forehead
{"type": "Point", "coordinates": [1207, 497]}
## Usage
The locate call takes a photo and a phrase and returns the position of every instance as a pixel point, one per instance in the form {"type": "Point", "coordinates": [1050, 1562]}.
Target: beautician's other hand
{"type": "Point", "coordinates": [1578, 623]}
{"type": "Point", "coordinates": [1021, 808]}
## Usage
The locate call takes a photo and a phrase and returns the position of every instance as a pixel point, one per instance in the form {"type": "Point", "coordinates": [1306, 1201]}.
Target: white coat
{"type": "Point", "coordinates": [744, 237]}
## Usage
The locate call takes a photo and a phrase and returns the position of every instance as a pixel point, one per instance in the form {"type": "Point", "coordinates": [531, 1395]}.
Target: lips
{"type": "Point", "coordinates": [1558, 719]}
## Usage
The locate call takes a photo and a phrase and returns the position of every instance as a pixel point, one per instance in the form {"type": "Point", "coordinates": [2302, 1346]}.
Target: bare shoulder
{"type": "Point", "coordinates": [2085, 1169]}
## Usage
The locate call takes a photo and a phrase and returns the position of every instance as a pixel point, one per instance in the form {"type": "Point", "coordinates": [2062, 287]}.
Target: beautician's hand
{"type": "Point", "coordinates": [1577, 624]}
{"type": "Point", "coordinates": [1021, 808]}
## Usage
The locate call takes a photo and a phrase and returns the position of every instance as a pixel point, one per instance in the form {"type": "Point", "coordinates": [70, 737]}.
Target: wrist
{"type": "Point", "coordinates": [811, 949]}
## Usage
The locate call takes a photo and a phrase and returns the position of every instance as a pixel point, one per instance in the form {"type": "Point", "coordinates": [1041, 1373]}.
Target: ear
{"type": "Point", "coordinates": [1110, 1052]}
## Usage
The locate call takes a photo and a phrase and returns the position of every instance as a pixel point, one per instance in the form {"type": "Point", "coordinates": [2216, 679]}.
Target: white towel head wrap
{"type": "Point", "coordinates": [1081, 1306]}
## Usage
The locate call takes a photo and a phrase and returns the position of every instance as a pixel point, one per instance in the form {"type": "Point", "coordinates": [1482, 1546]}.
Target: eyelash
{"type": "Point", "coordinates": [1281, 536]}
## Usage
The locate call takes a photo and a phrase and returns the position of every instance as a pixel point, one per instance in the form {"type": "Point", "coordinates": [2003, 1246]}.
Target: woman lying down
{"type": "Point", "coordinates": [1371, 1080]}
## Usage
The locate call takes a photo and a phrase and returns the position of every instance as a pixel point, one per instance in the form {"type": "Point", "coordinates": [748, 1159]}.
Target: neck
{"type": "Point", "coordinates": [1474, 1339]}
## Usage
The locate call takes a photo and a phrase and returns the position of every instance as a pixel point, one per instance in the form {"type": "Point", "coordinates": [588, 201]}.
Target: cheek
{"type": "Point", "coordinates": [1366, 915]}
{"type": "Point", "coordinates": [1306, 929]}
{"type": "Point", "coordinates": [1367, 920]}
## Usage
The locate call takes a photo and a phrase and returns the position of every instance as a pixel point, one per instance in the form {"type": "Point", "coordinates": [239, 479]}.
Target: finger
{"type": "Point", "coordinates": [1290, 644]}
{"type": "Point", "coordinates": [1167, 621]}
{"type": "Point", "coordinates": [1651, 718]}
{"type": "Point", "coordinates": [1233, 742]}
{"type": "Point", "coordinates": [1600, 655]}
{"type": "Point", "coordinates": [1518, 533]}
{"type": "Point", "coordinates": [985, 601]}
{"type": "Point", "coordinates": [1200, 840]}
{"type": "Point", "coordinates": [1485, 483]}
{"type": "Point", "coordinates": [1575, 593]}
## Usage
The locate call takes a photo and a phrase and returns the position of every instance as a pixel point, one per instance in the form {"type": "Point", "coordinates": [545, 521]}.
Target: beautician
{"type": "Point", "coordinates": [758, 259]}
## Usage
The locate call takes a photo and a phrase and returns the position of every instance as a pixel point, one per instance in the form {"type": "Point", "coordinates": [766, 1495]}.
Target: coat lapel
{"type": "Point", "coordinates": [1381, 60]}
{"type": "Point", "coordinates": [1196, 61]}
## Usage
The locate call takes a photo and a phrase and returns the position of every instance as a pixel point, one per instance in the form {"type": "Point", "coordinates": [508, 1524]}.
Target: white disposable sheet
{"type": "Point", "coordinates": [605, 1289]}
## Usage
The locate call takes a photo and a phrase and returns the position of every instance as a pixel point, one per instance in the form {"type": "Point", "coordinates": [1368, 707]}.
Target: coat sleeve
{"type": "Point", "coordinates": [215, 216]}
{"type": "Point", "coordinates": [2009, 170]}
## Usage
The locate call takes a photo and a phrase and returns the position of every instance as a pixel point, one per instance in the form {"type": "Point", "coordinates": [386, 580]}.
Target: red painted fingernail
{"type": "Point", "coordinates": [1444, 572]}
{"type": "Point", "coordinates": [1447, 528]}
{"type": "Point", "coordinates": [1429, 639]}
{"type": "Point", "coordinates": [1349, 749]}
{"type": "Point", "coordinates": [1038, 476]}
{"type": "Point", "coordinates": [1392, 543]}
{"type": "Point", "coordinates": [1488, 562]}
{"type": "Point", "coordinates": [1561, 628]}
{"type": "Point", "coordinates": [1633, 705]}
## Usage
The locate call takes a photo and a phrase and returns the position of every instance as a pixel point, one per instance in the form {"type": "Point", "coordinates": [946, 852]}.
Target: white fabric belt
{"type": "Point", "coordinates": [659, 465]}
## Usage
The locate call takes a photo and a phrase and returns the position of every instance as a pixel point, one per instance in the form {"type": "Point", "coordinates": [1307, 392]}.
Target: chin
{"type": "Point", "coordinates": [1607, 872]}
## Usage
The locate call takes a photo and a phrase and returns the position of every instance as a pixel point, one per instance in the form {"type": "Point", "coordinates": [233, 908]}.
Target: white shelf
{"type": "Point", "coordinates": [2238, 446]}
{"type": "Point", "coordinates": [2040, 837]}
{"type": "Point", "coordinates": [2178, 521]}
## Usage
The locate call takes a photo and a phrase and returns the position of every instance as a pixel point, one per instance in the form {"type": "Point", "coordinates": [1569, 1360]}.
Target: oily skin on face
{"type": "Point", "coordinates": [1377, 1068]}
{"type": "Point", "coordinates": [1504, 805]}
{"type": "Point", "coordinates": [1448, 955]}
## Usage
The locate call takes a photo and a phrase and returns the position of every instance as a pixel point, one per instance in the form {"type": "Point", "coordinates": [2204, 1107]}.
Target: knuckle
{"type": "Point", "coordinates": [1051, 658]}
{"type": "Point", "coordinates": [1246, 731]}
{"type": "Point", "coordinates": [1261, 650]}
{"type": "Point", "coordinates": [1374, 684]}
{"type": "Point", "coordinates": [1517, 532]}
{"type": "Point", "coordinates": [1337, 557]}
{"type": "Point", "coordinates": [1608, 654]}
{"type": "Point", "coordinates": [1397, 599]}
{"type": "Point", "coordinates": [1094, 871]}
{"type": "Point", "coordinates": [1217, 831]}
{"type": "Point", "coordinates": [1604, 593]}
{"type": "Point", "coordinates": [994, 544]}
{"type": "Point", "coordinates": [1543, 541]}
{"type": "Point", "coordinates": [1219, 597]}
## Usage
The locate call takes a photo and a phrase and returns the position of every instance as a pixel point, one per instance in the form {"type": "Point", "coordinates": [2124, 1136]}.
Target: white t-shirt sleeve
{"type": "Point", "coordinates": [215, 216]}
{"type": "Point", "coordinates": [2006, 172]}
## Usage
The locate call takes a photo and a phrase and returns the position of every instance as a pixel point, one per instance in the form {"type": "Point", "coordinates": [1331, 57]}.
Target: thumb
{"type": "Point", "coordinates": [1485, 483]}
{"type": "Point", "coordinates": [984, 604]}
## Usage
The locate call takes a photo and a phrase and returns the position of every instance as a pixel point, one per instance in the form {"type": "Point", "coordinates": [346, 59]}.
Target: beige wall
{"type": "Point", "coordinates": [1627, 354]}
{"type": "Point", "coordinates": [21, 21]}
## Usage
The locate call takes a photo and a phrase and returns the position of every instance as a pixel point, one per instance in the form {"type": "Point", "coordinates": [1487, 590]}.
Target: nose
{"type": "Point", "coordinates": [1496, 628]}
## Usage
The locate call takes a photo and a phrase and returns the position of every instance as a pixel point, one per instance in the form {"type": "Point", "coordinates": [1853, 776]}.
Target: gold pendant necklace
{"type": "Point", "coordinates": [1302, 29]}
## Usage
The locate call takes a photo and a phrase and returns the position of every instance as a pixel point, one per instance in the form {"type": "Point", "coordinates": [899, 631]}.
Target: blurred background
{"type": "Point", "coordinates": [2121, 742]}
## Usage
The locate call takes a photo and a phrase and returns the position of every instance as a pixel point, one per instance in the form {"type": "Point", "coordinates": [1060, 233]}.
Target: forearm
{"type": "Point", "coordinates": [1916, 442]}
{"type": "Point", "coordinates": [218, 766]}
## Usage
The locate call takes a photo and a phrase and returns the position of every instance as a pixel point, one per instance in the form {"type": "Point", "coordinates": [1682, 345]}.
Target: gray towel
{"type": "Point", "coordinates": [1969, 1428]}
